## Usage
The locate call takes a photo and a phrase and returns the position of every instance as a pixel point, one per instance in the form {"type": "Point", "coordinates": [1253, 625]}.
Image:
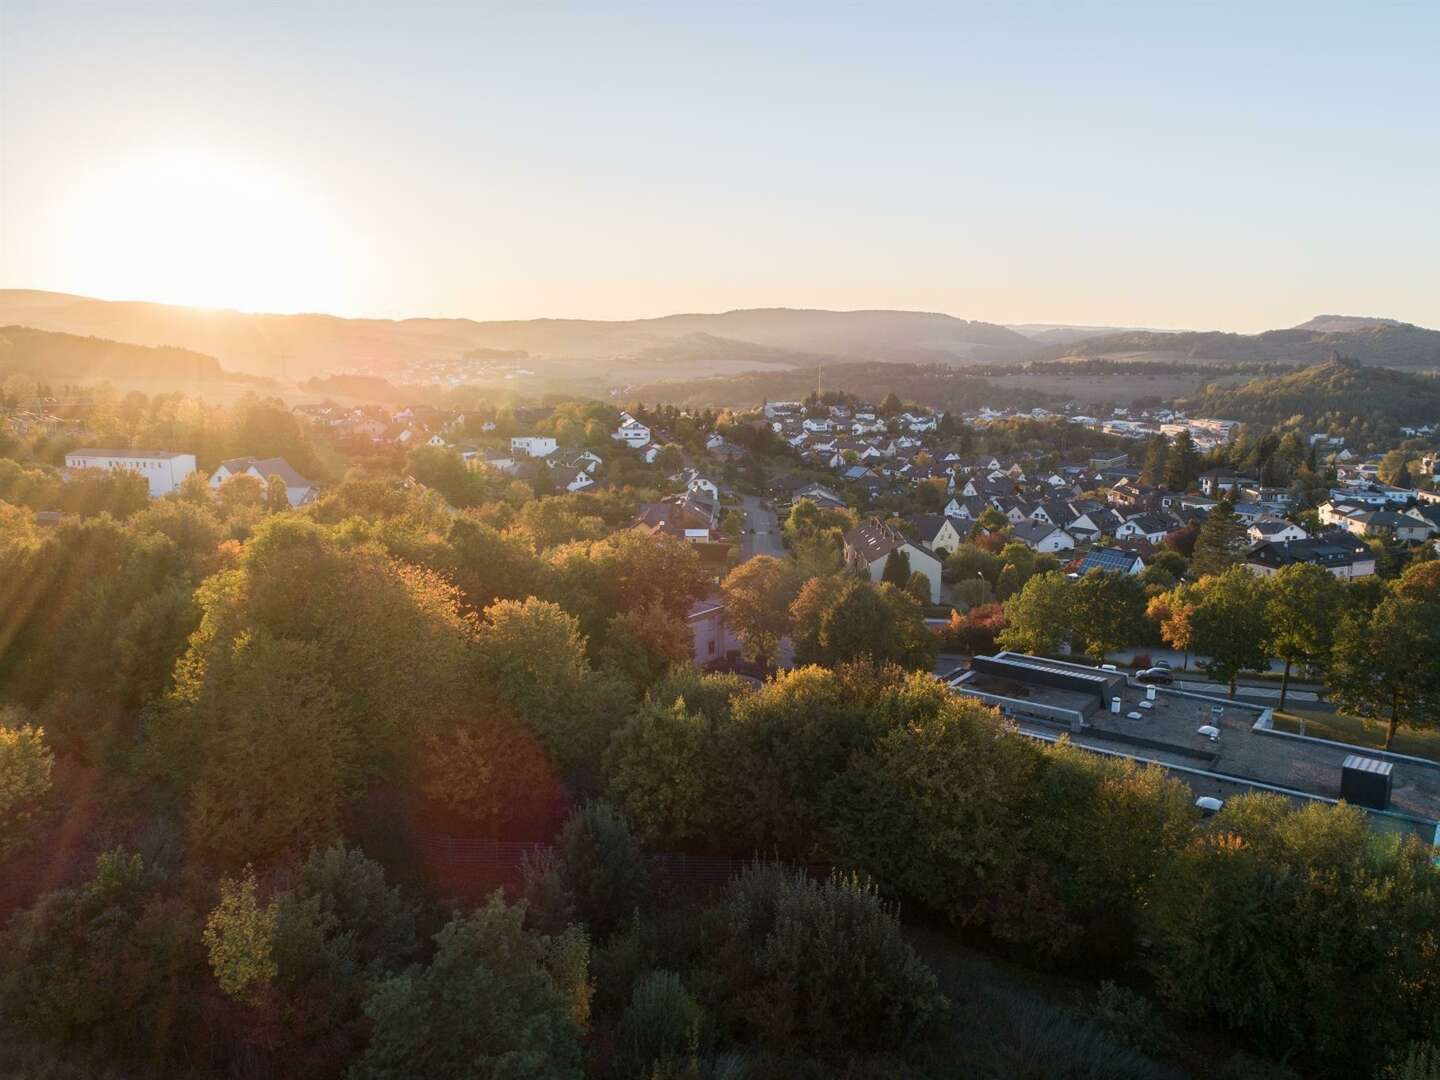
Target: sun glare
{"type": "Point", "coordinates": [192, 228]}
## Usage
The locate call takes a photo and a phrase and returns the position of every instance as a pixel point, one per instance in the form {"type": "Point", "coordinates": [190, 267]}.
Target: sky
{"type": "Point", "coordinates": [1182, 165]}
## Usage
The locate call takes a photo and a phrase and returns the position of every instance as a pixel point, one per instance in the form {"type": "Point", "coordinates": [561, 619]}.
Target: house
{"type": "Point", "coordinates": [1386, 522]}
{"type": "Point", "coordinates": [1276, 529]}
{"type": "Point", "coordinates": [164, 470]}
{"type": "Point", "coordinates": [571, 478]}
{"type": "Point", "coordinates": [1343, 555]}
{"type": "Point", "coordinates": [533, 446]}
{"type": "Point", "coordinates": [680, 519]}
{"type": "Point", "coordinates": [631, 432]}
{"type": "Point", "coordinates": [940, 533]}
{"type": "Point", "coordinates": [821, 496]}
{"type": "Point", "coordinates": [704, 487]}
{"type": "Point", "coordinates": [965, 508]}
{"type": "Point", "coordinates": [869, 545]}
{"type": "Point", "coordinates": [713, 638]}
{"type": "Point", "coordinates": [1111, 561]}
{"type": "Point", "coordinates": [1152, 527]}
{"type": "Point", "coordinates": [297, 489]}
{"type": "Point", "coordinates": [1038, 536]}
{"type": "Point", "coordinates": [1102, 462]}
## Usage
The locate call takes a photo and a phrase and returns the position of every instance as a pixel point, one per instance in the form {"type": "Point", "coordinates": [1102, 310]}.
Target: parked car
{"type": "Point", "coordinates": [1162, 663]}
{"type": "Point", "coordinates": [1158, 675]}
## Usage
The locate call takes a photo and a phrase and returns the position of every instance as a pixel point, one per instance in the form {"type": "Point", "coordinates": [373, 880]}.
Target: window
{"type": "Point", "coordinates": [712, 646]}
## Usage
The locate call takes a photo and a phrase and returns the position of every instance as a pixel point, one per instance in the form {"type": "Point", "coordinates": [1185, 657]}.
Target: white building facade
{"type": "Point", "coordinates": [163, 470]}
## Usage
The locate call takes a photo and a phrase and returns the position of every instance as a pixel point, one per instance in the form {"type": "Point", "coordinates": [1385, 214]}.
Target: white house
{"type": "Point", "coordinates": [571, 478]}
{"type": "Point", "coordinates": [713, 638]}
{"type": "Point", "coordinates": [1038, 536]}
{"type": "Point", "coordinates": [532, 445]}
{"type": "Point", "coordinates": [297, 489]}
{"type": "Point", "coordinates": [869, 545]}
{"type": "Point", "coordinates": [163, 470]}
{"type": "Point", "coordinates": [1276, 529]}
{"type": "Point", "coordinates": [704, 486]}
{"type": "Point", "coordinates": [631, 432]}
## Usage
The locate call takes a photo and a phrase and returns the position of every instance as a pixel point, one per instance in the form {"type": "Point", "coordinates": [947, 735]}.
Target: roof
{"type": "Point", "coordinates": [92, 451]}
{"type": "Point", "coordinates": [1111, 560]}
{"type": "Point", "coordinates": [267, 467]}
{"type": "Point", "coordinates": [1034, 531]}
{"type": "Point", "coordinates": [1153, 522]}
{"type": "Point", "coordinates": [1332, 549]}
{"type": "Point", "coordinates": [873, 539]}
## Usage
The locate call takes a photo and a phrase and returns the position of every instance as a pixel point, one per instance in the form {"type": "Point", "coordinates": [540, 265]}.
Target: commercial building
{"type": "Point", "coordinates": [163, 470]}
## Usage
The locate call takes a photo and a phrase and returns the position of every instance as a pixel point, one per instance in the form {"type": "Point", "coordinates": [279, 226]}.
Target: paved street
{"type": "Point", "coordinates": [762, 530]}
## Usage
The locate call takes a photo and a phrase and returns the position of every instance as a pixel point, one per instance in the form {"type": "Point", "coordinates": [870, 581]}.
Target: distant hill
{"type": "Point", "coordinates": [1340, 396]}
{"type": "Point", "coordinates": [1064, 334]}
{"type": "Point", "coordinates": [303, 345]}
{"type": "Point", "coordinates": [1344, 324]}
{"type": "Point", "coordinates": [939, 386]}
{"type": "Point", "coordinates": [60, 358]}
{"type": "Point", "coordinates": [1372, 341]}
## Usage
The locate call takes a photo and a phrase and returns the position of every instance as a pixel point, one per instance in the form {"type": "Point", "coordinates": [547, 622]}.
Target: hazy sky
{"type": "Point", "coordinates": [1236, 166]}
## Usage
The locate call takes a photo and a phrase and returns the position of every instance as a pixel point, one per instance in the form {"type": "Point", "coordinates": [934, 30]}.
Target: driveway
{"type": "Point", "coordinates": [762, 530]}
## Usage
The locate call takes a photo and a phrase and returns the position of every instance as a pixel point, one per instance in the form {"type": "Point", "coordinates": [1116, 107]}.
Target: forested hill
{"type": "Point", "coordinates": [58, 358]}
{"type": "Point", "coordinates": [935, 385]}
{"type": "Point", "coordinates": [1341, 396]}
{"type": "Point", "coordinates": [1371, 341]}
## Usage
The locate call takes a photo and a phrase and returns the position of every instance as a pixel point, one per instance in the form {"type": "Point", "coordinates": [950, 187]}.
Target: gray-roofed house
{"type": "Point", "coordinates": [297, 489]}
{"type": "Point", "coordinates": [1038, 536]}
{"type": "Point", "coordinates": [869, 544]}
{"type": "Point", "coordinates": [1111, 561]}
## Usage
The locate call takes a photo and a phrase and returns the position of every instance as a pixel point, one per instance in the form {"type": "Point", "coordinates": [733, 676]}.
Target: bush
{"type": "Point", "coordinates": [661, 1028]}
{"type": "Point", "coordinates": [486, 1008]}
{"type": "Point", "coordinates": [817, 968]}
{"type": "Point", "coordinates": [602, 867]}
{"type": "Point", "coordinates": [1129, 1017]}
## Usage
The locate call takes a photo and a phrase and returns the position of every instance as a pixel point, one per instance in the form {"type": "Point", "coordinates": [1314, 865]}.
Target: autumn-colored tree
{"type": "Point", "coordinates": [758, 595]}
{"type": "Point", "coordinates": [25, 766]}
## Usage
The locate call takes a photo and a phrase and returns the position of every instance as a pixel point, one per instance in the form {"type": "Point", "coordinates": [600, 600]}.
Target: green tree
{"type": "Point", "coordinates": [1038, 618]}
{"type": "Point", "coordinates": [1231, 625]}
{"type": "Point", "coordinates": [897, 568]}
{"type": "Point", "coordinates": [1107, 612]}
{"type": "Point", "coordinates": [1221, 543]}
{"type": "Point", "coordinates": [602, 867]}
{"type": "Point", "coordinates": [1181, 463]}
{"type": "Point", "coordinates": [1386, 667]}
{"type": "Point", "coordinates": [840, 619]}
{"type": "Point", "coordinates": [657, 772]}
{"type": "Point", "coordinates": [486, 1008]}
{"type": "Point", "coordinates": [277, 495]}
{"type": "Point", "coordinates": [25, 765]}
{"type": "Point", "coordinates": [1157, 461]}
{"type": "Point", "coordinates": [1303, 607]}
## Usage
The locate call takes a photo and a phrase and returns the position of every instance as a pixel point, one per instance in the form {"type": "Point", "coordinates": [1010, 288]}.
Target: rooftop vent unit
{"type": "Point", "coordinates": [1366, 782]}
{"type": "Point", "coordinates": [1115, 705]}
{"type": "Point", "coordinates": [1210, 731]}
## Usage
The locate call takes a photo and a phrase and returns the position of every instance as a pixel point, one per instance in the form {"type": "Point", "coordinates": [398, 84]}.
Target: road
{"type": "Point", "coordinates": [762, 530]}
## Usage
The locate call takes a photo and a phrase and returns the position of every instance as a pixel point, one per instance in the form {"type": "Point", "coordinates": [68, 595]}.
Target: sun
{"type": "Point", "coordinates": [197, 228]}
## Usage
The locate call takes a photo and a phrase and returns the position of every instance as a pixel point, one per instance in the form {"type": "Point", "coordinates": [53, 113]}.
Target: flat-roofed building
{"type": "Point", "coordinates": [163, 470]}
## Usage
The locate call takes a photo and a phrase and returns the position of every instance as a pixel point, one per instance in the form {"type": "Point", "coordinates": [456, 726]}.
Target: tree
{"type": "Point", "coordinates": [1173, 612]}
{"type": "Point", "coordinates": [1107, 612]}
{"type": "Point", "coordinates": [918, 586]}
{"type": "Point", "coordinates": [240, 938]}
{"type": "Point", "coordinates": [1221, 543]}
{"type": "Point", "coordinates": [1181, 463]}
{"type": "Point", "coordinates": [839, 619]}
{"type": "Point", "coordinates": [1420, 581]}
{"type": "Point", "coordinates": [486, 1008]}
{"type": "Point", "coordinates": [758, 595]}
{"type": "Point", "coordinates": [25, 764]}
{"type": "Point", "coordinates": [656, 771]}
{"type": "Point", "coordinates": [602, 867]}
{"type": "Point", "coordinates": [1157, 458]}
{"type": "Point", "coordinates": [1230, 624]}
{"type": "Point", "coordinates": [970, 561]}
{"type": "Point", "coordinates": [1387, 667]}
{"type": "Point", "coordinates": [1302, 607]}
{"type": "Point", "coordinates": [643, 644]}
{"type": "Point", "coordinates": [277, 495]}
{"type": "Point", "coordinates": [240, 491]}
{"type": "Point", "coordinates": [1038, 618]}
{"type": "Point", "coordinates": [897, 568]}
{"type": "Point", "coordinates": [819, 968]}
{"type": "Point", "coordinates": [1395, 468]}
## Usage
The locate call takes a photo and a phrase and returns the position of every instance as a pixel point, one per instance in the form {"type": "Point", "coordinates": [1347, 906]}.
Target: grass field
{"type": "Point", "coordinates": [1351, 729]}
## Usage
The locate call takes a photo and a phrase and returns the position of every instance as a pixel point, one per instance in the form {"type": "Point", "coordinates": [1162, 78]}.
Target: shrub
{"type": "Point", "coordinates": [602, 867]}
{"type": "Point", "coordinates": [819, 968]}
{"type": "Point", "coordinates": [1129, 1017]}
{"type": "Point", "coordinates": [660, 1028]}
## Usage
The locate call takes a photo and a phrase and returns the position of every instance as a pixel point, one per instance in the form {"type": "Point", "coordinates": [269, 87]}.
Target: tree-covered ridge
{"type": "Point", "coordinates": [937, 385]}
{"type": "Point", "coordinates": [1395, 345]}
{"type": "Point", "coordinates": [57, 358]}
{"type": "Point", "coordinates": [1341, 396]}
